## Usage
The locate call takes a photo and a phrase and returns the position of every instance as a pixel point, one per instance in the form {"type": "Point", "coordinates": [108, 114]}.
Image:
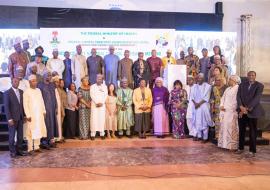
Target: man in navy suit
{"type": "Point", "coordinates": [249, 107]}
{"type": "Point", "coordinates": [13, 101]}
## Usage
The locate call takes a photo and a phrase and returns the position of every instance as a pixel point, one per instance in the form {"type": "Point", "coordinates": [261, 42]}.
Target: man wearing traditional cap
{"type": "Point", "coordinates": [201, 109]}
{"type": "Point", "coordinates": [111, 62]}
{"type": "Point", "coordinates": [190, 109]}
{"type": "Point", "coordinates": [33, 71]}
{"type": "Point", "coordinates": [18, 58]}
{"type": "Point", "coordinates": [78, 66]}
{"type": "Point", "coordinates": [98, 93]}
{"type": "Point", "coordinates": [95, 66]}
{"type": "Point", "coordinates": [125, 69]}
{"type": "Point", "coordinates": [48, 93]}
{"type": "Point", "coordinates": [25, 49]}
{"type": "Point", "coordinates": [23, 85]}
{"type": "Point", "coordinates": [192, 61]}
{"type": "Point", "coordinates": [168, 59]}
{"type": "Point", "coordinates": [125, 116]}
{"type": "Point", "coordinates": [55, 64]}
{"type": "Point", "coordinates": [155, 65]}
{"type": "Point", "coordinates": [35, 112]}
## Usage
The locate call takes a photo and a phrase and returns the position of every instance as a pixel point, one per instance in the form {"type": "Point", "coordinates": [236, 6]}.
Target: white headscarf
{"type": "Point", "coordinates": [159, 79]}
{"type": "Point", "coordinates": [236, 79]}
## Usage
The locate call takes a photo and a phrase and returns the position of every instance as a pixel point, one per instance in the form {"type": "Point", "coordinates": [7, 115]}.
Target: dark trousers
{"type": "Point", "coordinates": [252, 124]}
{"type": "Point", "coordinates": [18, 127]}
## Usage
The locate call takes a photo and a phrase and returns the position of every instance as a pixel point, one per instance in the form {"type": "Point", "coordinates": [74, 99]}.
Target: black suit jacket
{"type": "Point", "coordinates": [251, 98]}
{"type": "Point", "coordinates": [13, 109]}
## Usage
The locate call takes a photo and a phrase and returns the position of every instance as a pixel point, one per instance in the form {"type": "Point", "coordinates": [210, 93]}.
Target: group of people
{"type": "Point", "coordinates": [52, 99]}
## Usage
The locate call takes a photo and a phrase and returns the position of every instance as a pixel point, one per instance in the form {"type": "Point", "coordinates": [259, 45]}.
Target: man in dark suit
{"type": "Point", "coordinates": [13, 101]}
{"type": "Point", "coordinates": [250, 109]}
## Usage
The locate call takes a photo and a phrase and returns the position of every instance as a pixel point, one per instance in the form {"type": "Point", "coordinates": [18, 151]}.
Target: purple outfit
{"type": "Point", "coordinates": [159, 111]}
{"type": "Point", "coordinates": [178, 114]}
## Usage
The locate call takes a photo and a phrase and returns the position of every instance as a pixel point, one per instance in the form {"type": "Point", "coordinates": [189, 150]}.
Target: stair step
{"type": "Point", "coordinates": [260, 141]}
{"type": "Point", "coordinates": [3, 127]}
{"type": "Point", "coordinates": [4, 146]}
{"type": "Point", "coordinates": [259, 133]}
{"type": "Point", "coordinates": [3, 136]}
{"type": "Point", "coordinates": [3, 117]}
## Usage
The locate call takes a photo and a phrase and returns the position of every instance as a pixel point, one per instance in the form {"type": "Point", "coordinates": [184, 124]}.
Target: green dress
{"type": "Point", "coordinates": [125, 118]}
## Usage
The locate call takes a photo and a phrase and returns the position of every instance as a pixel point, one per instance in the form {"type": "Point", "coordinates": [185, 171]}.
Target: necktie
{"type": "Point", "coordinates": [249, 87]}
{"type": "Point", "coordinates": [18, 95]}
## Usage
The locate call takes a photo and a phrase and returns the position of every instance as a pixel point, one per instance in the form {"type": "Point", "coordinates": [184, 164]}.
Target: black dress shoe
{"type": "Point", "coordinates": [44, 146]}
{"type": "Point", "coordinates": [204, 141]}
{"type": "Point", "coordinates": [13, 155]}
{"type": "Point", "coordinates": [103, 137]}
{"type": "Point", "coordinates": [92, 138]}
{"type": "Point", "coordinates": [53, 145]}
{"type": "Point", "coordinates": [129, 136]}
{"type": "Point", "coordinates": [22, 154]}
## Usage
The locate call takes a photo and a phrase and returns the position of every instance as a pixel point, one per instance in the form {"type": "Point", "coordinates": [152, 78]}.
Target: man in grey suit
{"type": "Point", "coordinates": [250, 109]}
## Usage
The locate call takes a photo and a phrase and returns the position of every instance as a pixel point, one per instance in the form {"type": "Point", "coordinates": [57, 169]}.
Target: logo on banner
{"type": "Point", "coordinates": [54, 41]}
{"type": "Point", "coordinates": [162, 40]}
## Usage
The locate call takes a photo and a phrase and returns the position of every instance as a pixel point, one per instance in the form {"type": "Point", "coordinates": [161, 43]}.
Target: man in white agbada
{"type": "Point", "coordinates": [35, 112]}
{"type": "Point", "coordinates": [78, 66]}
{"type": "Point", "coordinates": [56, 81]}
{"type": "Point", "coordinates": [23, 85]}
{"type": "Point", "coordinates": [190, 109]}
{"type": "Point", "coordinates": [98, 93]}
{"type": "Point", "coordinates": [202, 117]}
{"type": "Point", "coordinates": [55, 64]}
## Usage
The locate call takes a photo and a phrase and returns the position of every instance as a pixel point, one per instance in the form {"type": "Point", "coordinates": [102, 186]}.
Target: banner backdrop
{"type": "Point", "coordinates": [198, 40]}
{"type": "Point", "coordinates": [134, 40]}
{"type": "Point", "coordinates": [7, 37]}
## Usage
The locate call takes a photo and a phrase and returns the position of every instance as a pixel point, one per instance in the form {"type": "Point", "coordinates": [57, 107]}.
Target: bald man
{"type": "Point", "coordinates": [111, 62]}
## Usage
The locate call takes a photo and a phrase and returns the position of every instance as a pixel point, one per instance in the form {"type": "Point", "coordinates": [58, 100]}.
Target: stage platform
{"type": "Point", "coordinates": [136, 164]}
